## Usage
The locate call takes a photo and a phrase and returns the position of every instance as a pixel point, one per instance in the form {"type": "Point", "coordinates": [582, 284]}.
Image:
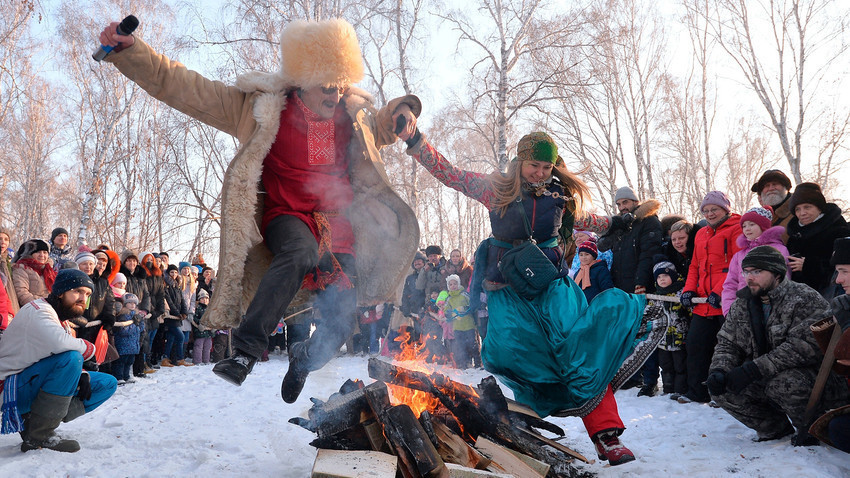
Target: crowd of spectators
{"type": "Point", "coordinates": [144, 312]}
{"type": "Point", "coordinates": [740, 292]}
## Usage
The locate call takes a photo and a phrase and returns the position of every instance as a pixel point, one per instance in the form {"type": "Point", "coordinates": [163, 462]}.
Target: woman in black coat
{"type": "Point", "coordinates": [811, 234]}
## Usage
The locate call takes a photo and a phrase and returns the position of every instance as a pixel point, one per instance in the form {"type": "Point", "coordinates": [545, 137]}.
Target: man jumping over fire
{"type": "Point", "coordinates": [306, 201]}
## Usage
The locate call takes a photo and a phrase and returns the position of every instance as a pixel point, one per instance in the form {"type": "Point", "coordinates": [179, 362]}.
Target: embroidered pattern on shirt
{"type": "Point", "coordinates": [320, 137]}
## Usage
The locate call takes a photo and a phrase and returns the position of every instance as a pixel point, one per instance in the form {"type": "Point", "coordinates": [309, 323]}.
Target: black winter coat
{"type": "Point", "coordinates": [634, 249]}
{"type": "Point", "coordinates": [137, 284]}
{"type": "Point", "coordinates": [173, 295]}
{"type": "Point", "coordinates": [102, 303]}
{"type": "Point", "coordinates": [412, 299]}
{"type": "Point", "coordinates": [814, 242]}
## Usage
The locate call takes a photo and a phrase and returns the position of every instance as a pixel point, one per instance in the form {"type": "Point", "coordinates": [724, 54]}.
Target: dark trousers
{"type": "Point", "coordinates": [122, 367]}
{"type": "Point", "coordinates": [465, 348]}
{"type": "Point", "coordinates": [338, 310]}
{"type": "Point", "coordinates": [674, 370]}
{"type": "Point", "coordinates": [699, 344]}
{"type": "Point", "coordinates": [649, 370]}
{"type": "Point", "coordinates": [295, 253]}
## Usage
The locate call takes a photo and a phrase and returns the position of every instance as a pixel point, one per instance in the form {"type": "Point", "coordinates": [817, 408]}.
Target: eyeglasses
{"type": "Point", "coordinates": [709, 211]}
{"type": "Point", "coordinates": [752, 272]}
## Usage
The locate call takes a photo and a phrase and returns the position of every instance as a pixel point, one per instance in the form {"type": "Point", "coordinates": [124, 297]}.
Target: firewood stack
{"type": "Point", "coordinates": [470, 432]}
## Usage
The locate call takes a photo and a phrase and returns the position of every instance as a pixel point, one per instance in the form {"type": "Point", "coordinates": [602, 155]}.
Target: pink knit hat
{"type": "Point", "coordinates": [716, 198]}
{"type": "Point", "coordinates": [761, 216]}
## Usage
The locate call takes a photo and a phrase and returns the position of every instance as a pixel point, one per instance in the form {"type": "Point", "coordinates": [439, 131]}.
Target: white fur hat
{"type": "Point", "coordinates": [453, 277]}
{"type": "Point", "coordinates": [320, 53]}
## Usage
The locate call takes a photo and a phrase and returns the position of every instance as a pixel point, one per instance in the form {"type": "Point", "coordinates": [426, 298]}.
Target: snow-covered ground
{"type": "Point", "coordinates": [186, 422]}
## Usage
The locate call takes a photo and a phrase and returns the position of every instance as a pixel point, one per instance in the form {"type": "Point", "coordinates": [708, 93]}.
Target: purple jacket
{"type": "Point", "coordinates": [735, 279]}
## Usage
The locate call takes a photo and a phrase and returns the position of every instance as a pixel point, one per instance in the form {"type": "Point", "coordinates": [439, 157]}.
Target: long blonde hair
{"type": "Point", "coordinates": [507, 186]}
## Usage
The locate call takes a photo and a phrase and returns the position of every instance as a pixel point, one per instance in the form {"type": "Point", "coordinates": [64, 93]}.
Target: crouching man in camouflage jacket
{"type": "Point", "coordinates": [766, 360]}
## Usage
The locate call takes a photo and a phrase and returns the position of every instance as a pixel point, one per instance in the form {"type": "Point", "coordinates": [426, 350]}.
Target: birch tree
{"type": "Point", "coordinates": [504, 37]}
{"type": "Point", "coordinates": [802, 44]}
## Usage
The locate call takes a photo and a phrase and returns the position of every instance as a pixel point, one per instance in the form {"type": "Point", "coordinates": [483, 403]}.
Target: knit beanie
{"type": "Point", "coordinates": [807, 193]}
{"type": "Point", "coordinates": [433, 250]}
{"type": "Point", "coordinates": [761, 216]}
{"type": "Point", "coordinates": [840, 251]}
{"type": "Point", "coordinates": [172, 267]}
{"type": "Point", "coordinates": [184, 264]}
{"type": "Point", "coordinates": [663, 266]}
{"type": "Point", "coordinates": [766, 258]}
{"type": "Point", "coordinates": [589, 247]}
{"type": "Point", "coordinates": [537, 146]}
{"type": "Point", "coordinates": [57, 231]}
{"type": "Point", "coordinates": [625, 192]}
{"type": "Point", "coordinates": [202, 269]}
{"type": "Point", "coordinates": [68, 279]}
{"type": "Point", "coordinates": [771, 175]}
{"type": "Point", "coordinates": [716, 198]}
{"type": "Point", "coordinates": [85, 257]}
{"type": "Point", "coordinates": [119, 277]}
{"type": "Point", "coordinates": [453, 277]}
{"type": "Point", "coordinates": [203, 294]}
{"type": "Point", "coordinates": [130, 298]}
{"type": "Point", "coordinates": [592, 236]}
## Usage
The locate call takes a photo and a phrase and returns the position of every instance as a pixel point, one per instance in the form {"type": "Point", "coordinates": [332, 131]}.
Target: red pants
{"type": "Point", "coordinates": [604, 417]}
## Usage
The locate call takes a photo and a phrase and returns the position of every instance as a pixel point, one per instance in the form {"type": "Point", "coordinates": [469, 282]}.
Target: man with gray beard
{"type": "Point", "coordinates": [774, 189]}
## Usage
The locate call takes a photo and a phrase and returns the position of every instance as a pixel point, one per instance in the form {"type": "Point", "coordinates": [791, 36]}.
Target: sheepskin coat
{"type": "Point", "coordinates": [385, 228]}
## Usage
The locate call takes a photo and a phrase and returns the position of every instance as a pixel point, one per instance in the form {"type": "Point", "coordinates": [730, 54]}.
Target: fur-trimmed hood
{"type": "Point", "coordinates": [649, 207]}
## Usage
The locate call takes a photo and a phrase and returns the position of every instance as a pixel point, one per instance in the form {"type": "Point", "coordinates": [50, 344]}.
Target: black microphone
{"type": "Point", "coordinates": [126, 27]}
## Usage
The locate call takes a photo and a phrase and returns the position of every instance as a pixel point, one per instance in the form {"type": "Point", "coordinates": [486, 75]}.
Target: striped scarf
{"type": "Point", "coordinates": [11, 422]}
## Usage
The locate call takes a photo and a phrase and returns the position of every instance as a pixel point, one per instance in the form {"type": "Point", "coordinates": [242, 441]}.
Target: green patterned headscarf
{"type": "Point", "coordinates": [537, 146]}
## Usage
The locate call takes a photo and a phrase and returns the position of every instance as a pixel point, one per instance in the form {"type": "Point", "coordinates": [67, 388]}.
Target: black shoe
{"type": "Point", "coordinates": [648, 391]}
{"type": "Point", "coordinates": [293, 383]}
{"type": "Point", "coordinates": [804, 439]}
{"type": "Point", "coordinates": [235, 368]}
{"type": "Point", "coordinates": [776, 436]}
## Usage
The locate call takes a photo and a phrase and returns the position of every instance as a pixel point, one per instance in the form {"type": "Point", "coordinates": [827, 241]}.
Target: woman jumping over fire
{"type": "Point", "coordinates": [559, 354]}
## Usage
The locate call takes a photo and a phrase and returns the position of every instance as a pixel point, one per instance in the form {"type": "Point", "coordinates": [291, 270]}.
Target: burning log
{"type": "Point", "coordinates": [506, 461]}
{"type": "Point", "coordinates": [405, 435]}
{"type": "Point", "coordinates": [483, 411]}
{"type": "Point", "coordinates": [454, 449]}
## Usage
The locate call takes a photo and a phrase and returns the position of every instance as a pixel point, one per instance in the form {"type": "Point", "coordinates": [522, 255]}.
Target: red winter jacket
{"type": "Point", "coordinates": [713, 251]}
{"type": "Point", "coordinates": [4, 308]}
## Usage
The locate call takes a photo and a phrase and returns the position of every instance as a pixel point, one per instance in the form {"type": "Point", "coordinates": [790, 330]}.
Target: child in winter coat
{"type": "Point", "coordinates": [127, 331]}
{"type": "Point", "coordinates": [671, 351]}
{"type": "Point", "coordinates": [203, 335]}
{"type": "Point", "coordinates": [593, 275]}
{"type": "Point", "coordinates": [456, 311]}
{"type": "Point", "coordinates": [757, 231]}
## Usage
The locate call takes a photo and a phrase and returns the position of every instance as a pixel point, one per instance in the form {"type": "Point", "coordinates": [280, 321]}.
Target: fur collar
{"type": "Point", "coordinates": [650, 207]}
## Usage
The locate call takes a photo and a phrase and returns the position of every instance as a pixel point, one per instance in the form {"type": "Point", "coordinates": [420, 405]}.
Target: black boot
{"type": "Point", "coordinates": [235, 368]}
{"type": "Point", "coordinates": [648, 391]}
{"type": "Point", "coordinates": [46, 414]}
{"type": "Point", "coordinates": [293, 382]}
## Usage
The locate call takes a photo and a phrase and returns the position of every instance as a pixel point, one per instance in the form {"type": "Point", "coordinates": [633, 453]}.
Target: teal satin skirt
{"type": "Point", "coordinates": [558, 352]}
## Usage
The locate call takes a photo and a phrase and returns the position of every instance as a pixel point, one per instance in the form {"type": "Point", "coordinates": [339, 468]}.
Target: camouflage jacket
{"type": "Point", "coordinates": [786, 341]}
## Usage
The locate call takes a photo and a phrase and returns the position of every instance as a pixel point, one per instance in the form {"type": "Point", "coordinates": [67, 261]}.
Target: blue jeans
{"type": "Point", "coordinates": [60, 375]}
{"type": "Point", "coordinates": [174, 339]}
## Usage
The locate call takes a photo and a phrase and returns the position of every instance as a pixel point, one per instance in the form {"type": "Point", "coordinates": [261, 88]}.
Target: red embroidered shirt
{"type": "Point", "coordinates": [306, 171]}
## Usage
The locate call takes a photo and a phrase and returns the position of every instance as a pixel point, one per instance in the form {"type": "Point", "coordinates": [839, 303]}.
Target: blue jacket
{"type": "Point", "coordinates": [127, 337]}
{"type": "Point", "coordinates": [600, 279]}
